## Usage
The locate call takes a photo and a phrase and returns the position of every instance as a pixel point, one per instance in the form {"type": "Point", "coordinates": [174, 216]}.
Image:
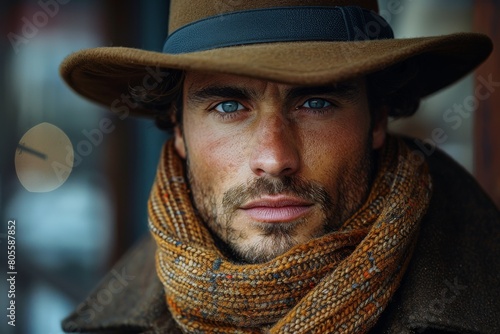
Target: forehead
{"type": "Point", "coordinates": [194, 81]}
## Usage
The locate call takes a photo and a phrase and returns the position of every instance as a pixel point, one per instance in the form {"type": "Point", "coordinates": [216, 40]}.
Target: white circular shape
{"type": "Point", "coordinates": [44, 158]}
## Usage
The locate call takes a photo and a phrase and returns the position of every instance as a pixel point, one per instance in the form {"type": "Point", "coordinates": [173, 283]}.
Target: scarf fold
{"type": "Point", "coordinates": [338, 283]}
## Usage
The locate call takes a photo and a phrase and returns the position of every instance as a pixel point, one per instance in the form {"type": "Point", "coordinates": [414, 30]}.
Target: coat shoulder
{"type": "Point", "coordinates": [137, 304]}
{"type": "Point", "coordinates": [451, 284]}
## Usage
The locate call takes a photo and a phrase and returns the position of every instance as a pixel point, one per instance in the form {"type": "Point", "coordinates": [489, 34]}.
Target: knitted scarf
{"type": "Point", "coordinates": [338, 283]}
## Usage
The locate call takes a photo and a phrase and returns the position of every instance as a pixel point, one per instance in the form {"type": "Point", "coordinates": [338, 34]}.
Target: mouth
{"type": "Point", "coordinates": [276, 209]}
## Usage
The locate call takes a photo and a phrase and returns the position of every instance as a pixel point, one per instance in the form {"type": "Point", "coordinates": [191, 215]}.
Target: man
{"type": "Point", "coordinates": [281, 204]}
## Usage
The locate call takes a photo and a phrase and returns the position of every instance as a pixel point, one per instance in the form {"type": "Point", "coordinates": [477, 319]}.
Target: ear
{"type": "Point", "coordinates": [379, 131]}
{"type": "Point", "coordinates": [179, 142]}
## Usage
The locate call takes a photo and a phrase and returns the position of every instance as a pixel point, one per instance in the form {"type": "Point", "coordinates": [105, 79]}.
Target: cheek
{"type": "Point", "coordinates": [335, 147]}
{"type": "Point", "coordinates": [355, 134]}
{"type": "Point", "coordinates": [214, 159]}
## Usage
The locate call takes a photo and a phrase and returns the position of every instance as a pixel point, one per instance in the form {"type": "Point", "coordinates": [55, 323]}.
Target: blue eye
{"type": "Point", "coordinates": [316, 103]}
{"type": "Point", "coordinates": [229, 107]}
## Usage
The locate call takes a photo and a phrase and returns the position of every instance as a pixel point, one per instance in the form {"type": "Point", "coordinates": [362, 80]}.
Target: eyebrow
{"type": "Point", "coordinates": [348, 91]}
{"type": "Point", "coordinates": [225, 92]}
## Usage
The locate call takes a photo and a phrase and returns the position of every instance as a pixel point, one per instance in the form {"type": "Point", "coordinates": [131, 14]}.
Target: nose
{"type": "Point", "coordinates": [275, 151]}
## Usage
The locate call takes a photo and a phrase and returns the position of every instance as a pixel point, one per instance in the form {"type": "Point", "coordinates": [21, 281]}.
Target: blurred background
{"type": "Point", "coordinates": [67, 238]}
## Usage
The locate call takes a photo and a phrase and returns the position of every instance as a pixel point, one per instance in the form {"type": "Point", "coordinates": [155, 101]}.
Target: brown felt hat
{"type": "Point", "coordinates": [298, 42]}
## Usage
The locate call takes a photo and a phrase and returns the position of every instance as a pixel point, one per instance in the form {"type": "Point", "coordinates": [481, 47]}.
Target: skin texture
{"type": "Point", "coordinates": [287, 164]}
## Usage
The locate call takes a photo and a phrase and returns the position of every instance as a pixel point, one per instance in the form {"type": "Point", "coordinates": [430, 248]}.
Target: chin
{"type": "Point", "coordinates": [272, 240]}
{"type": "Point", "coordinates": [264, 250]}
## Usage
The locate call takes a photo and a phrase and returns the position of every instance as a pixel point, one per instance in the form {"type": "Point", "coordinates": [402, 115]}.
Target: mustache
{"type": "Point", "coordinates": [294, 186]}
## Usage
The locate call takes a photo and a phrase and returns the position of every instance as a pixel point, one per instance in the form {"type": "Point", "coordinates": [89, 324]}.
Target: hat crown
{"type": "Point", "coordinates": [183, 12]}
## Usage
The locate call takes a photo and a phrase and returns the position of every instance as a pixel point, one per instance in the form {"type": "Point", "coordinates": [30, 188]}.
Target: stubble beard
{"type": "Point", "coordinates": [277, 238]}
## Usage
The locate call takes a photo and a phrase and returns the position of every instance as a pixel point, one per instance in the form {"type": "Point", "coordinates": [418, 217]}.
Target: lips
{"type": "Point", "coordinates": [276, 209]}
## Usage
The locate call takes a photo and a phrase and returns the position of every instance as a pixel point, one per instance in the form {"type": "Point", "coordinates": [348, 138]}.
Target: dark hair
{"type": "Point", "coordinates": [395, 87]}
{"type": "Point", "coordinates": [164, 101]}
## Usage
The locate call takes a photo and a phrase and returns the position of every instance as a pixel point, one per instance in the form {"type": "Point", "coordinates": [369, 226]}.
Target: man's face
{"type": "Point", "coordinates": [273, 165]}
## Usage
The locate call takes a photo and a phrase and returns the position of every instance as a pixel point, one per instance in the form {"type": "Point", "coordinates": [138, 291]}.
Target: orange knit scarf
{"type": "Point", "coordinates": [339, 283]}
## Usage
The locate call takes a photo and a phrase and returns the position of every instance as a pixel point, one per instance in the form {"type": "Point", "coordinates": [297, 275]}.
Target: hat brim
{"type": "Point", "coordinates": [104, 74]}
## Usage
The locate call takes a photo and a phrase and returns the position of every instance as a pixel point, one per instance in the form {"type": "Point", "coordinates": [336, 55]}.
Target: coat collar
{"type": "Point", "coordinates": [451, 283]}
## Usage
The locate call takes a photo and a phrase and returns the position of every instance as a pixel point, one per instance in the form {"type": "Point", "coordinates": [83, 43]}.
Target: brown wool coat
{"type": "Point", "coordinates": [451, 286]}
